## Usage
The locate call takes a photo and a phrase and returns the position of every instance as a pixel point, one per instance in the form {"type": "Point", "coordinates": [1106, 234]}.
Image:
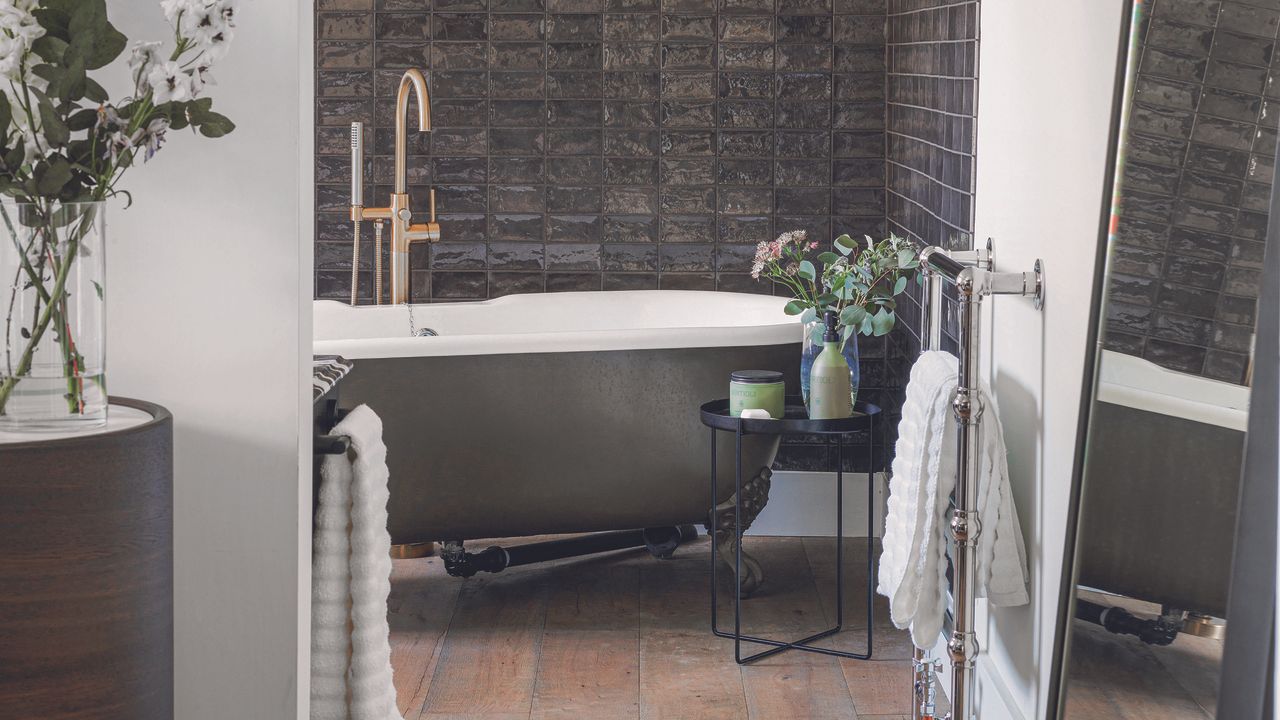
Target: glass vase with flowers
{"type": "Point", "coordinates": [64, 146]}
{"type": "Point", "coordinates": [859, 282]}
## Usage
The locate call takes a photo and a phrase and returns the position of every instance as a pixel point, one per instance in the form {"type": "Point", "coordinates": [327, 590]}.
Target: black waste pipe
{"type": "Point", "coordinates": [1122, 622]}
{"type": "Point", "coordinates": [661, 542]}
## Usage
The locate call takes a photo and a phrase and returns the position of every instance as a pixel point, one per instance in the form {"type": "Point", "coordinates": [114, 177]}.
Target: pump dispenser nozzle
{"type": "Point", "coordinates": [833, 330]}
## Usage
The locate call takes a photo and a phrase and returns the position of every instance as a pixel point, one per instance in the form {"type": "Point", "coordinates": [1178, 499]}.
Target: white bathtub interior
{"type": "Point", "coordinates": [555, 322]}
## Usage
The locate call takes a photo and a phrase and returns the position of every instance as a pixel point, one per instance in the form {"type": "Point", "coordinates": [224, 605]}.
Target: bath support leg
{"type": "Point", "coordinates": [755, 495]}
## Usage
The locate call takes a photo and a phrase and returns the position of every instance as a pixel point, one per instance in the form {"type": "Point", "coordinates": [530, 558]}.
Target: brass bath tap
{"type": "Point", "coordinates": [403, 230]}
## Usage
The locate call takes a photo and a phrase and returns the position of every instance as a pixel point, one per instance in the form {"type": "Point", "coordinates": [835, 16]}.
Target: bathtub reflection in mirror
{"type": "Point", "coordinates": [1169, 410]}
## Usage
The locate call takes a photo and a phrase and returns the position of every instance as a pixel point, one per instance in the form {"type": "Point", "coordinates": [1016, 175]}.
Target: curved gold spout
{"type": "Point", "coordinates": [411, 80]}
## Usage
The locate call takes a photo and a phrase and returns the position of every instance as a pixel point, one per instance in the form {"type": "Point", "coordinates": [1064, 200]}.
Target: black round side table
{"type": "Point", "coordinates": [795, 421]}
{"type": "Point", "coordinates": [86, 569]}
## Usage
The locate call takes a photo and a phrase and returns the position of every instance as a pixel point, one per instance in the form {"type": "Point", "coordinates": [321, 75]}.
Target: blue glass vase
{"type": "Point", "coordinates": [812, 345]}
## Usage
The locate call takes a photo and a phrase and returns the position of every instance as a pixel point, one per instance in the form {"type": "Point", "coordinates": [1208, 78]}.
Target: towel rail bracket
{"type": "Point", "coordinates": [323, 443]}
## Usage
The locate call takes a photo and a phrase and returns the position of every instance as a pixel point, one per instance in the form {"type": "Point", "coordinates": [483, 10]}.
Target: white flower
{"type": "Point", "coordinates": [207, 26]}
{"type": "Point", "coordinates": [13, 51]}
{"type": "Point", "coordinates": [200, 76]}
{"type": "Point", "coordinates": [202, 25]}
{"type": "Point", "coordinates": [212, 29]}
{"type": "Point", "coordinates": [111, 125]}
{"type": "Point", "coordinates": [145, 55]}
{"type": "Point", "coordinates": [216, 48]}
{"type": "Point", "coordinates": [17, 20]}
{"type": "Point", "coordinates": [174, 9]}
{"type": "Point", "coordinates": [169, 83]}
{"type": "Point", "coordinates": [18, 29]}
{"type": "Point", "coordinates": [151, 137]}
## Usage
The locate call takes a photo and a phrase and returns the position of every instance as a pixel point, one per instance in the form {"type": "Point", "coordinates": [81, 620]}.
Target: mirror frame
{"type": "Point", "coordinates": [1246, 687]}
{"type": "Point", "coordinates": [1126, 64]}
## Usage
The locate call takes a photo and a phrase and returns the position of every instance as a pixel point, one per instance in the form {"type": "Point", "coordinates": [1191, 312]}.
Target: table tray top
{"type": "Point", "coordinates": [795, 420]}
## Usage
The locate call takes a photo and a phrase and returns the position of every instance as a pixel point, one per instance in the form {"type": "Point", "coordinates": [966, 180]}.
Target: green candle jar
{"type": "Point", "coordinates": [757, 389]}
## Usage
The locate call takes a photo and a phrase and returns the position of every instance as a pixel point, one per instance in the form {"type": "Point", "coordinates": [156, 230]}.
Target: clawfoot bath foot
{"type": "Point", "coordinates": [755, 494]}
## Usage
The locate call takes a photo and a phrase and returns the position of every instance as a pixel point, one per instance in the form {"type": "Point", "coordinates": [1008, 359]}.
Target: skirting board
{"type": "Point", "coordinates": [800, 504]}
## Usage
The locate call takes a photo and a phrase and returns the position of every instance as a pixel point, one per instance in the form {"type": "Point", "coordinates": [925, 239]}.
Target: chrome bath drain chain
{"type": "Point", "coordinates": [413, 327]}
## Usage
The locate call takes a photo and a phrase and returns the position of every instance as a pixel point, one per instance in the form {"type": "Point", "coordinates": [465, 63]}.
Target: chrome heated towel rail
{"type": "Point", "coordinates": [974, 277]}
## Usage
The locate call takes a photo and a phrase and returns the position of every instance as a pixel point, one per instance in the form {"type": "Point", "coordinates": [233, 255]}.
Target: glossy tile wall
{"type": "Point", "coordinates": [932, 71]}
{"type": "Point", "coordinates": [605, 144]}
{"type": "Point", "coordinates": [932, 63]}
{"type": "Point", "coordinates": [1197, 185]}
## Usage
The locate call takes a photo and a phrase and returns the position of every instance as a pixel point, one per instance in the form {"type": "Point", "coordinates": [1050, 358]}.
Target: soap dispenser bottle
{"type": "Point", "coordinates": [830, 391]}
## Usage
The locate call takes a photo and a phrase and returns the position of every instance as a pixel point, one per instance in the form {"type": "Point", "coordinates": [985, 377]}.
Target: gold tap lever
{"type": "Point", "coordinates": [403, 230]}
{"type": "Point", "coordinates": [430, 230]}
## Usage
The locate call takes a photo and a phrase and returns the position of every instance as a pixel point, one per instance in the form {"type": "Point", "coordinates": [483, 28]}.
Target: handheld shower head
{"type": "Point", "coordinates": [357, 163]}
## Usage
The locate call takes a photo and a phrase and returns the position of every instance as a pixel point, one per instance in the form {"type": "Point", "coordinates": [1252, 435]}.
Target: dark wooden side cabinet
{"type": "Point", "coordinates": [86, 573]}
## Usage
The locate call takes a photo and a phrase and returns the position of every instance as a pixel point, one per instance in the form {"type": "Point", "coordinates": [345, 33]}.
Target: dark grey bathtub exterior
{"type": "Point", "coordinates": [484, 446]}
{"type": "Point", "coordinates": [1159, 509]}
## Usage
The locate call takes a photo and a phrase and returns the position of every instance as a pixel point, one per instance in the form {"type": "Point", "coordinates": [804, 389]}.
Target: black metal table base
{"type": "Point", "coordinates": [778, 646]}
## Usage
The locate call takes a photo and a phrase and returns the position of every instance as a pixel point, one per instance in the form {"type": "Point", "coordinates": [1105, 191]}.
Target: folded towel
{"type": "Point", "coordinates": [918, 461]}
{"type": "Point", "coordinates": [350, 580]}
{"type": "Point", "coordinates": [1002, 552]}
{"type": "Point", "coordinates": [913, 562]}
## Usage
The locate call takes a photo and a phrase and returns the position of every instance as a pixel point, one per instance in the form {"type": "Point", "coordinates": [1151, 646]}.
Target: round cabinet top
{"type": "Point", "coordinates": [122, 415]}
{"type": "Point", "coordinates": [796, 420]}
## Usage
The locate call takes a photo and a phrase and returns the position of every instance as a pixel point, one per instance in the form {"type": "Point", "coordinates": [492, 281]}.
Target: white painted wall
{"type": "Point", "coordinates": [209, 314]}
{"type": "Point", "coordinates": [1044, 114]}
{"type": "Point", "coordinates": [802, 503]}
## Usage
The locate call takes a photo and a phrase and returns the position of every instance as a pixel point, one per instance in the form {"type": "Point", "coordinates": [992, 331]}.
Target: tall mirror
{"type": "Point", "coordinates": [1160, 467]}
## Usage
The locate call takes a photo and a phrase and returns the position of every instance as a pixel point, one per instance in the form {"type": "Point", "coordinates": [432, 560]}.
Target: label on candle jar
{"type": "Point", "coordinates": [751, 393]}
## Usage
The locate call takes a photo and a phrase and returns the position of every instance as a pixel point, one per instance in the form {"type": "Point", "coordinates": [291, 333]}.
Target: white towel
{"type": "Point", "coordinates": [913, 561]}
{"type": "Point", "coordinates": [350, 580]}
{"type": "Point", "coordinates": [918, 461]}
{"type": "Point", "coordinates": [1002, 552]}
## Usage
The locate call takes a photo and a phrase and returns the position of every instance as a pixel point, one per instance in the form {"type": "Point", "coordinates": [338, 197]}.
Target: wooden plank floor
{"type": "Point", "coordinates": [626, 636]}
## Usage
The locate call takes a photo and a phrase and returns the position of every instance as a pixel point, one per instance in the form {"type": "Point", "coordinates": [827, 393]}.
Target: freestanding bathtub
{"type": "Point", "coordinates": [557, 413]}
{"type": "Point", "coordinates": [1165, 451]}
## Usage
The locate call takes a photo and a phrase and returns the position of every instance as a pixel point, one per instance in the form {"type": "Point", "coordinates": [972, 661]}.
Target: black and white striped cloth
{"type": "Point", "coordinates": [326, 371]}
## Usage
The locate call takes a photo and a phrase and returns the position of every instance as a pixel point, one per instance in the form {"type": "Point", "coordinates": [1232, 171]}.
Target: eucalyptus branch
{"type": "Point", "coordinates": [857, 283]}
